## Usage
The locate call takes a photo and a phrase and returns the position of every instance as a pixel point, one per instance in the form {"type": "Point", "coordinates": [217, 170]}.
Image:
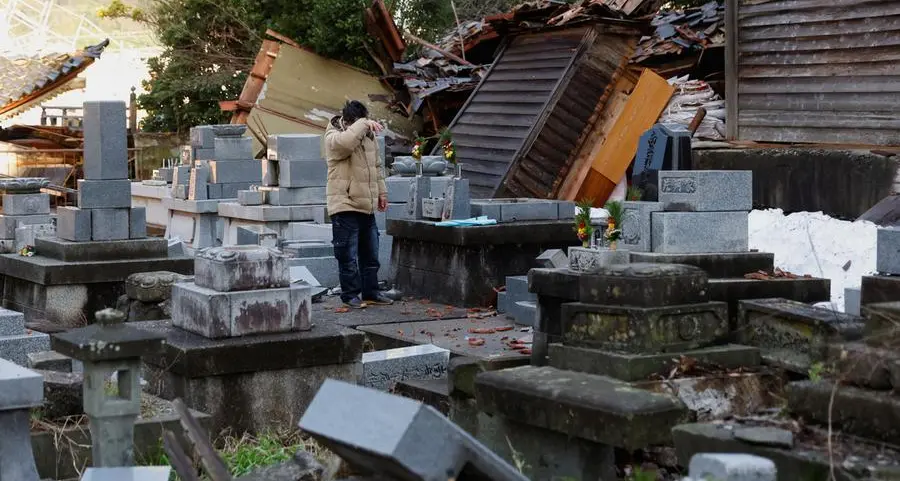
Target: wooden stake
{"type": "Point", "coordinates": [438, 49]}
{"type": "Point", "coordinates": [462, 40]}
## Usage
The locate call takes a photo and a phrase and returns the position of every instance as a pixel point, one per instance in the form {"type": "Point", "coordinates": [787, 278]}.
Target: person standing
{"type": "Point", "coordinates": [354, 190]}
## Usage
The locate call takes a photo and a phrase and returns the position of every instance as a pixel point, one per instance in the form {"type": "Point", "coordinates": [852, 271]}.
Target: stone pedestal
{"type": "Point", "coordinates": [16, 342]}
{"type": "Point", "coordinates": [20, 390]}
{"type": "Point", "coordinates": [150, 196]}
{"type": "Point", "coordinates": [99, 243]}
{"type": "Point", "coordinates": [462, 265]}
{"type": "Point", "coordinates": [23, 205]}
{"type": "Point", "coordinates": [251, 383]}
{"type": "Point", "coordinates": [108, 348]}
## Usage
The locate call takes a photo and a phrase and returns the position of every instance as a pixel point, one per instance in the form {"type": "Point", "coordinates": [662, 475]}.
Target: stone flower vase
{"type": "Point", "coordinates": [612, 245]}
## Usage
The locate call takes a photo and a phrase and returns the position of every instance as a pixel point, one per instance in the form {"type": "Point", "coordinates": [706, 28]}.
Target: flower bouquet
{"type": "Point", "coordinates": [613, 223]}
{"type": "Point", "coordinates": [583, 228]}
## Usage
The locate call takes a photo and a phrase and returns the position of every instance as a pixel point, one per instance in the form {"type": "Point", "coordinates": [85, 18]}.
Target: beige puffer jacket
{"type": "Point", "coordinates": [355, 178]}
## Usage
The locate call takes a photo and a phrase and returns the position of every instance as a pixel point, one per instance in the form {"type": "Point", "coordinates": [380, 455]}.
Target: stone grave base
{"type": "Point", "coordinates": [732, 291]}
{"type": "Point", "coordinates": [195, 222]}
{"type": "Point", "coordinates": [716, 265]}
{"type": "Point", "coordinates": [150, 197]}
{"type": "Point", "coordinates": [812, 461]}
{"type": "Point", "coordinates": [60, 452]}
{"type": "Point", "coordinates": [461, 266]}
{"type": "Point", "coordinates": [877, 289]}
{"type": "Point", "coordinates": [66, 293]}
{"type": "Point", "coordinates": [253, 383]}
{"type": "Point", "coordinates": [546, 454]}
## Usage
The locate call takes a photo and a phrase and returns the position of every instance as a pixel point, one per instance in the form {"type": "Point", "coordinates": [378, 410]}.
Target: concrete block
{"type": "Point", "coordinates": [181, 175]}
{"type": "Point", "coordinates": [515, 210]}
{"type": "Point", "coordinates": [73, 224]}
{"type": "Point", "coordinates": [9, 223]}
{"type": "Point", "coordinates": [407, 435]}
{"type": "Point", "coordinates": [487, 209]}
{"type": "Point", "coordinates": [308, 249]}
{"type": "Point", "coordinates": [566, 210]}
{"type": "Point", "coordinates": [887, 256]}
{"type": "Point", "coordinates": [552, 259]}
{"type": "Point", "coordinates": [636, 226]}
{"type": "Point", "coordinates": [706, 190]}
{"type": "Point", "coordinates": [17, 348]}
{"type": "Point", "coordinates": [699, 232]}
{"type": "Point", "coordinates": [20, 388]}
{"type": "Point", "coordinates": [324, 268]}
{"type": "Point", "coordinates": [502, 302]}
{"type": "Point", "coordinates": [419, 188]}
{"type": "Point", "coordinates": [233, 148]}
{"type": "Point", "coordinates": [180, 192]}
{"type": "Point", "coordinates": [320, 215]}
{"type": "Point", "coordinates": [257, 236]}
{"type": "Point", "coordinates": [137, 223]}
{"type": "Point", "coordinates": [302, 173]}
{"type": "Point", "coordinates": [105, 141]}
{"type": "Point", "coordinates": [166, 174]}
{"type": "Point", "coordinates": [49, 361]}
{"type": "Point", "coordinates": [110, 224]}
{"type": "Point", "coordinates": [202, 137]}
{"type": "Point", "coordinates": [380, 220]}
{"type": "Point", "coordinates": [310, 231]}
{"type": "Point", "coordinates": [132, 473]}
{"type": "Point", "coordinates": [302, 274]}
{"type": "Point", "coordinates": [251, 197]}
{"type": "Point", "coordinates": [104, 194]}
{"type": "Point", "coordinates": [197, 189]}
{"type": "Point", "coordinates": [852, 300]}
{"type": "Point", "coordinates": [457, 204]}
{"type": "Point", "coordinates": [203, 154]}
{"type": "Point", "coordinates": [382, 369]}
{"type": "Point", "coordinates": [291, 147]}
{"type": "Point", "coordinates": [259, 213]}
{"type": "Point", "coordinates": [214, 314]}
{"type": "Point", "coordinates": [525, 313]}
{"type": "Point", "coordinates": [296, 196]}
{"type": "Point", "coordinates": [12, 323]}
{"type": "Point", "coordinates": [396, 211]}
{"type": "Point", "coordinates": [230, 191]}
{"type": "Point", "coordinates": [397, 188]}
{"type": "Point", "coordinates": [214, 191]}
{"type": "Point", "coordinates": [240, 268]}
{"type": "Point", "coordinates": [234, 171]}
{"type": "Point", "coordinates": [26, 234]}
{"type": "Point", "coordinates": [731, 467]}
{"type": "Point", "coordinates": [269, 173]}
{"type": "Point", "coordinates": [26, 204]}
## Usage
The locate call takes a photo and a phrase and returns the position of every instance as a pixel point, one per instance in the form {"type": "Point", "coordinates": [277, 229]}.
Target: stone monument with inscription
{"type": "Point", "coordinates": [25, 208]}
{"type": "Point", "coordinates": [98, 244]}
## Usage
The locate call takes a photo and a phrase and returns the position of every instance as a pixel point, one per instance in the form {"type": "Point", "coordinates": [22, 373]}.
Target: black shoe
{"type": "Point", "coordinates": [380, 300]}
{"type": "Point", "coordinates": [355, 303]}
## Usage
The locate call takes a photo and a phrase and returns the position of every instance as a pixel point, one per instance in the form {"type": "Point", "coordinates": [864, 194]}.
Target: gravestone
{"type": "Point", "coordinates": [706, 190]}
{"type": "Point", "coordinates": [552, 259]}
{"type": "Point", "coordinates": [590, 260]}
{"type": "Point", "coordinates": [24, 207]}
{"type": "Point", "coordinates": [397, 437]}
{"type": "Point", "coordinates": [381, 369]}
{"type": "Point", "coordinates": [663, 147]}
{"type": "Point", "coordinates": [20, 390]}
{"type": "Point", "coordinates": [240, 290]}
{"type": "Point", "coordinates": [110, 348]}
{"type": "Point", "coordinates": [17, 342]}
{"type": "Point", "coordinates": [888, 251]}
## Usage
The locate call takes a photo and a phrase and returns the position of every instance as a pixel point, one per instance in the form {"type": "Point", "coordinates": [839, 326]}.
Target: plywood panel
{"type": "Point", "coordinates": [614, 155]}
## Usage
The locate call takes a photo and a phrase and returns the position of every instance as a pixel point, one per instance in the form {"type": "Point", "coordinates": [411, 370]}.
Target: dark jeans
{"type": "Point", "coordinates": [355, 240]}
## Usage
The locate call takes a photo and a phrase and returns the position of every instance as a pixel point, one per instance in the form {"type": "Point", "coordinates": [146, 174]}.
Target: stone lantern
{"type": "Point", "coordinates": [110, 347]}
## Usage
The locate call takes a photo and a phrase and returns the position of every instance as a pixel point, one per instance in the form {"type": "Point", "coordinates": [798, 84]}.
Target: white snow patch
{"type": "Point", "coordinates": [816, 244]}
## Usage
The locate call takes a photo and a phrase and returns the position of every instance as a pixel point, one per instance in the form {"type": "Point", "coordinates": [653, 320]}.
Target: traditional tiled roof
{"type": "Point", "coordinates": [26, 79]}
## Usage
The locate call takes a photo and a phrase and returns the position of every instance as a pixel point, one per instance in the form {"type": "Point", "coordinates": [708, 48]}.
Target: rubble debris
{"type": "Point", "coordinates": [683, 31]}
{"type": "Point", "coordinates": [689, 97]}
{"type": "Point", "coordinates": [776, 274]}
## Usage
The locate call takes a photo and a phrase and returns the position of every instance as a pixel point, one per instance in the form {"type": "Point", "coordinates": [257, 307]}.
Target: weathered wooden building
{"type": "Point", "coordinates": [518, 134]}
{"type": "Point", "coordinates": [813, 71]}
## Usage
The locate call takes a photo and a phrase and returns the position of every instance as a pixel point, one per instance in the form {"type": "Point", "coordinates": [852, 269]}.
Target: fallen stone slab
{"type": "Point", "coordinates": [860, 412]}
{"type": "Point", "coordinates": [594, 408]}
{"type": "Point", "coordinates": [396, 436]}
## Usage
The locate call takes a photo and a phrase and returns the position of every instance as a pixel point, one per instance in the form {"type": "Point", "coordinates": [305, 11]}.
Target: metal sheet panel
{"type": "Point", "coordinates": [814, 71]}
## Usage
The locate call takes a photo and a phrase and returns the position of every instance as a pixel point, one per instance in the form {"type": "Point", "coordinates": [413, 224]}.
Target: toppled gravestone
{"type": "Point", "coordinates": [397, 437]}
{"type": "Point", "coordinates": [148, 295]}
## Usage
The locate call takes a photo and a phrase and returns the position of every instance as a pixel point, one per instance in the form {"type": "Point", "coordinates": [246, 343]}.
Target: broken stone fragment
{"type": "Point", "coordinates": [766, 436]}
{"type": "Point", "coordinates": [152, 286]}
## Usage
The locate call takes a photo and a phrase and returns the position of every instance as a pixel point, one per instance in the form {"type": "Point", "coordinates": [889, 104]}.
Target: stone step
{"type": "Point", "coordinates": [517, 289]}
{"type": "Point", "coordinates": [716, 265]}
{"type": "Point", "coordinates": [864, 365]}
{"type": "Point", "coordinates": [12, 323]}
{"type": "Point", "coordinates": [525, 312]}
{"type": "Point", "coordinates": [803, 331]}
{"type": "Point", "coordinates": [855, 411]}
{"type": "Point", "coordinates": [432, 392]}
{"type": "Point", "coordinates": [17, 348]}
{"type": "Point", "coordinates": [585, 406]}
{"type": "Point", "coordinates": [640, 367]}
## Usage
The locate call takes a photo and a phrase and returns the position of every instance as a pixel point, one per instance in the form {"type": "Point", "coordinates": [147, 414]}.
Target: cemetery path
{"type": "Point", "coordinates": [413, 310]}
